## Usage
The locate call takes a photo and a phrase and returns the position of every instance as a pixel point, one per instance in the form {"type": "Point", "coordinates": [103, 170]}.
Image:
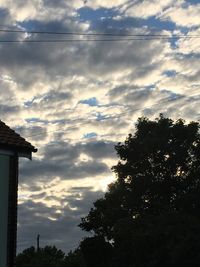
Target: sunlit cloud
{"type": "Point", "coordinates": [74, 101]}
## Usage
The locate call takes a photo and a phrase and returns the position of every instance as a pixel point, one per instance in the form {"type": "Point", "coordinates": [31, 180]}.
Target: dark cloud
{"type": "Point", "coordinates": [100, 150]}
{"type": "Point", "coordinates": [66, 170]}
{"type": "Point", "coordinates": [60, 229]}
{"type": "Point", "coordinates": [8, 109]}
{"type": "Point", "coordinates": [54, 98]}
{"type": "Point", "coordinates": [32, 132]}
{"type": "Point", "coordinates": [53, 4]}
{"type": "Point", "coordinates": [62, 160]}
{"type": "Point", "coordinates": [5, 16]}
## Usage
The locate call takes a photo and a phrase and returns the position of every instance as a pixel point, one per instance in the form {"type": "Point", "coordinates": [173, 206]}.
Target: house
{"type": "Point", "coordinates": [12, 146]}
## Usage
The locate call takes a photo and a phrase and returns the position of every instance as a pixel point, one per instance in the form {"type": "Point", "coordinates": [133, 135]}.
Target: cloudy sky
{"type": "Point", "coordinates": [75, 100]}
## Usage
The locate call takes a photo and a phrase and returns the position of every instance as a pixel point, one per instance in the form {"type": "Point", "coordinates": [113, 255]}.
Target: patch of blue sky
{"type": "Point", "coordinates": [150, 87]}
{"type": "Point", "coordinates": [95, 17]}
{"type": "Point", "coordinates": [100, 117]}
{"type": "Point", "coordinates": [31, 25]}
{"type": "Point", "coordinates": [102, 19]}
{"type": "Point", "coordinates": [110, 25]}
{"type": "Point", "coordinates": [36, 120]}
{"type": "Point", "coordinates": [86, 13]}
{"type": "Point", "coordinates": [28, 25]}
{"type": "Point", "coordinates": [61, 121]}
{"type": "Point", "coordinates": [29, 103]}
{"type": "Point", "coordinates": [172, 95]}
{"type": "Point", "coordinates": [192, 55]}
{"type": "Point", "coordinates": [175, 96]}
{"type": "Point", "coordinates": [90, 135]}
{"type": "Point", "coordinates": [173, 43]}
{"type": "Point", "coordinates": [170, 73]}
{"type": "Point", "coordinates": [93, 102]}
{"type": "Point", "coordinates": [156, 24]}
{"type": "Point", "coordinates": [193, 2]}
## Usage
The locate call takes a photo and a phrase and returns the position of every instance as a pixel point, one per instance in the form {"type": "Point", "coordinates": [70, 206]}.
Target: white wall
{"type": "Point", "coordinates": [4, 186]}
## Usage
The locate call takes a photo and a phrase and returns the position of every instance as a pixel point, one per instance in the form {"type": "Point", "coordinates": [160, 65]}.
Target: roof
{"type": "Point", "coordinates": [9, 139]}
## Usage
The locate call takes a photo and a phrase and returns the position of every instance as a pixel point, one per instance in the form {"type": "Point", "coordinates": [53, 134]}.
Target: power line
{"type": "Point", "coordinates": [98, 34]}
{"type": "Point", "coordinates": [93, 40]}
{"type": "Point", "coordinates": [123, 37]}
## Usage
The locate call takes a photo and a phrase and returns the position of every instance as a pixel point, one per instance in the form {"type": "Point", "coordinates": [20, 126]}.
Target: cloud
{"type": "Point", "coordinates": [105, 3]}
{"type": "Point", "coordinates": [23, 10]}
{"type": "Point", "coordinates": [64, 161]}
{"type": "Point", "coordinates": [190, 46]}
{"type": "Point", "coordinates": [185, 16]}
{"type": "Point", "coordinates": [63, 219]}
{"type": "Point", "coordinates": [75, 101]}
{"type": "Point", "coordinates": [146, 8]}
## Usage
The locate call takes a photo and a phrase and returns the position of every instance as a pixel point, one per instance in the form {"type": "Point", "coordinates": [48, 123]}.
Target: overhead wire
{"type": "Point", "coordinates": [135, 37]}
{"type": "Point", "coordinates": [90, 40]}
{"type": "Point", "coordinates": [119, 37]}
{"type": "Point", "coordinates": [97, 34]}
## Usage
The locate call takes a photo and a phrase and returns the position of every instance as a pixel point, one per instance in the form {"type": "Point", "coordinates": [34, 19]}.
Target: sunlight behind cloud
{"type": "Point", "coordinates": [105, 182]}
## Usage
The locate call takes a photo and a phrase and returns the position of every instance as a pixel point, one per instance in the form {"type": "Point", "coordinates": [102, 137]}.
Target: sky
{"type": "Point", "coordinates": [75, 100]}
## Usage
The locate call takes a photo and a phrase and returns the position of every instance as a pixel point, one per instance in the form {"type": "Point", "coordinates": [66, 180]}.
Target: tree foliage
{"type": "Point", "coordinates": [45, 257]}
{"type": "Point", "coordinates": [49, 256]}
{"type": "Point", "coordinates": [152, 212]}
{"type": "Point", "coordinates": [75, 259]}
{"type": "Point", "coordinates": [96, 251]}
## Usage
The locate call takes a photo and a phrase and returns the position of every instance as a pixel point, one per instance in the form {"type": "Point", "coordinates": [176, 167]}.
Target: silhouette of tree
{"type": "Point", "coordinates": [75, 259]}
{"type": "Point", "coordinates": [96, 251]}
{"type": "Point", "coordinates": [24, 259]}
{"type": "Point", "coordinates": [48, 256]}
{"type": "Point", "coordinates": [163, 240]}
{"type": "Point", "coordinates": [151, 214]}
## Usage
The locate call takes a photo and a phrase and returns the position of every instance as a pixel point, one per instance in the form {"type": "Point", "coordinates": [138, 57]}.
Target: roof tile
{"type": "Point", "coordinates": [10, 138]}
